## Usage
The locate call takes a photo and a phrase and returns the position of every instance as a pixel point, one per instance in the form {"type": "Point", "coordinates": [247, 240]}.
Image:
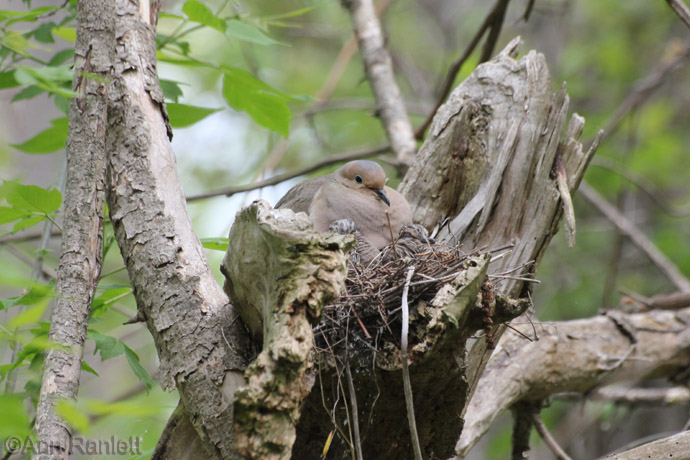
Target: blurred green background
{"type": "Point", "coordinates": [298, 49]}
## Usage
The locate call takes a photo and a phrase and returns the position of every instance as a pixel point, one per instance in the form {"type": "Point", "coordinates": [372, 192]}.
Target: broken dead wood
{"type": "Point", "coordinates": [279, 274]}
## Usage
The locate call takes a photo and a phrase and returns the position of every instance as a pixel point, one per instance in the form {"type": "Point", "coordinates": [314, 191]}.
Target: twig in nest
{"type": "Point", "coordinates": [355, 415]}
{"type": "Point", "coordinates": [407, 386]}
{"type": "Point", "coordinates": [390, 229]}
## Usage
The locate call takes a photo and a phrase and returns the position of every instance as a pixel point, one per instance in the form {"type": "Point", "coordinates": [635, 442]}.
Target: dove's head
{"type": "Point", "coordinates": [364, 176]}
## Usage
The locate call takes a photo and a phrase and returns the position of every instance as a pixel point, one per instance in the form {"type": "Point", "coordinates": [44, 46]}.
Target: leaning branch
{"type": "Point", "coordinates": [637, 237]}
{"type": "Point", "coordinates": [84, 204]}
{"type": "Point", "coordinates": [379, 70]}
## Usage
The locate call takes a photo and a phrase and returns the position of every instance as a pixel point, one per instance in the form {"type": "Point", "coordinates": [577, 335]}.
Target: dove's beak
{"type": "Point", "coordinates": [381, 194]}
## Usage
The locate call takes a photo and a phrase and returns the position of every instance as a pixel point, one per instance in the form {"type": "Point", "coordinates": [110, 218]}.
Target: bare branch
{"type": "Point", "coordinates": [681, 10]}
{"type": "Point", "coordinates": [379, 70]}
{"type": "Point", "coordinates": [84, 204]}
{"type": "Point", "coordinates": [676, 446]}
{"type": "Point", "coordinates": [549, 440]}
{"type": "Point", "coordinates": [522, 429]}
{"type": "Point", "coordinates": [673, 301]}
{"type": "Point", "coordinates": [291, 175]}
{"type": "Point", "coordinates": [636, 396]}
{"type": "Point", "coordinates": [575, 356]}
{"type": "Point", "coordinates": [455, 67]}
{"type": "Point", "coordinates": [637, 237]}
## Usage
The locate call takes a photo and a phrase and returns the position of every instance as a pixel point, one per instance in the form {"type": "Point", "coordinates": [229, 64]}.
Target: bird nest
{"type": "Point", "coordinates": [368, 314]}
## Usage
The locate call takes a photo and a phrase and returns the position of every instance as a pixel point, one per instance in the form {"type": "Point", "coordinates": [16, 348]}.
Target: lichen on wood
{"type": "Point", "coordinates": [279, 274]}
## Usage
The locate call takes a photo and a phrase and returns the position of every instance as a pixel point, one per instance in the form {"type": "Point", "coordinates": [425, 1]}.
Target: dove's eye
{"type": "Point", "coordinates": [359, 179]}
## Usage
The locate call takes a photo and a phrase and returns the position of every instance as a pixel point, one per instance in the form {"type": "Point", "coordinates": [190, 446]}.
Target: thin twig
{"type": "Point", "coordinates": [454, 69]}
{"type": "Point", "coordinates": [681, 10]}
{"type": "Point", "coordinates": [355, 415]}
{"type": "Point", "coordinates": [547, 438]}
{"type": "Point", "coordinates": [636, 236]}
{"type": "Point", "coordinates": [496, 24]}
{"type": "Point", "coordinates": [407, 386]}
{"type": "Point", "coordinates": [291, 175]}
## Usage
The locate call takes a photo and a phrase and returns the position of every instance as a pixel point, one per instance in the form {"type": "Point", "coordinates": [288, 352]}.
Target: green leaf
{"type": "Point", "coordinates": [7, 80]}
{"type": "Point", "coordinates": [70, 414]}
{"type": "Point", "coordinates": [24, 16]}
{"type": "Point", "coordinates": [28, 92]}
{"type": "Point", "coordinates": [61, 57]}
{"type": "Point", "coordinates": [291, 14]}
{"type": "Point", "coordinates": [266, 105]}
{"type": "Point", "coordinates": [87, 368]}
{"type": "Point", "coordinates": [248, 33]}
{"type": "Point", "coordinates": [8, 214]}
{"type": "Point", "coordinates": [108, 297]}
{"type": "Point", "coordinates": [16, 42]}
{"type": "Point", "coordinates": [66, 33]}
{"type": "Point", "coordinates": [108, 346]}
{"type": "Point", "coordinates": [182, 115]}
{"type": "Point", "coordinates": [28, 316]}
{"type": "Point", "coordinates": [15, 420]}
{"type": "Point", "coordinates": [50, 140]}
{"type": "Point", "coordinates": [138, 369]}
{"type": "Point", "coordinates": [198, 12]}
{"type": "Point", "coordinates": [171, 90]}
{"type": "Point", "coordinates": [28, 222]}
{"type": "Point", "coordinates": [31, 197]}
{"type": "Point", "coordinates": [44, 33]}
{"type": "Point", "coordinates": [34, 295]}
{"type": "Point", "coordinates": [217, 244]}
{"type": "Point", "coordinates": [54, 79]}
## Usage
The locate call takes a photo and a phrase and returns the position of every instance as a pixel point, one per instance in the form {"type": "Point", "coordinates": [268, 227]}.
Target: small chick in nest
{"type": "Point", "coordinates": [412, 239]}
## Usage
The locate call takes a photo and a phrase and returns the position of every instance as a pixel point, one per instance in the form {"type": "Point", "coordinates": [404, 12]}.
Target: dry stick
{"type": "Point", "coordinates": [454, 69]}
{"type": "Point", "coordinates": [496, 24]}
{"type": "Point", "coordinates": [547, 438]}
{"type": "Point", "coordinates": [566, 200]}
{"type": "Point", "coordinates": [407, 386]}
{"type": "Point", "coordinates": [29, 261]}
{"type": "Point", "coordinates": [290, 175]}
{"type": "Point", "coordinates": [636, 236]}
{"type": "Point", "coordinates": [681, 10]}
{"type": "Point", "coordinates": [29, 236]}
{"type": "Point", "coordinates": [379, 70]}
{"type": "Point", "coordinates": [355, 415]}
{"type": "Point", "coordinates": [390, 229]}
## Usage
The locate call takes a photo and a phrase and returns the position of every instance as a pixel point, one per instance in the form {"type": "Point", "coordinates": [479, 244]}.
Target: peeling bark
{"type": "Point", "coordinates": [84, 208]}
{"type": "Point", "coordinates": [185, 309]}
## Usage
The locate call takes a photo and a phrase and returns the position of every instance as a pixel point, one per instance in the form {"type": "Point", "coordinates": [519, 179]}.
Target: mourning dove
{"type": "Point", "coordinates": [356, 191]}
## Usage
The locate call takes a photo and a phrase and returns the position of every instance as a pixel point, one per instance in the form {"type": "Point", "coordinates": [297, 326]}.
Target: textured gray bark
{"type": "Point", "coordinates": [575, 356]}
{"type": "Point", "coordinates": [184, 308]}
{"type": "Point", "coordinates": [84, 207]}
{"type": "Point", "coordinates": [676, 447]}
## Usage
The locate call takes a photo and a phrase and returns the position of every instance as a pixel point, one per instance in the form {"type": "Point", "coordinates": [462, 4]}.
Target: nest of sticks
{"type": "Point", "coordinates": [368, 314]}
